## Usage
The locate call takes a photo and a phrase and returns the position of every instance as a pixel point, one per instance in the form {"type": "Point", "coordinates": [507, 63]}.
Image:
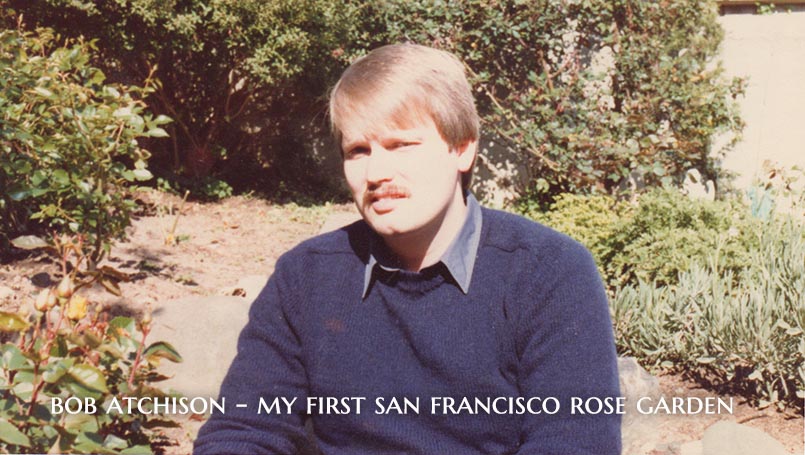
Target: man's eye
{"type": "Point", "coordinates": [403, 144]}
{"type": "Point", "coordinates": [356, 152]}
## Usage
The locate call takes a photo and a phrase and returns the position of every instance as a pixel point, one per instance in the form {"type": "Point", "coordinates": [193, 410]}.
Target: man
{"type": "Point", "coordinates": [430, 297]}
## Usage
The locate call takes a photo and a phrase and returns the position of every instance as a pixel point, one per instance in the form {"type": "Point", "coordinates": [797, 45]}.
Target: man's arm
{"type": "Point", "coordinates": [566, 350]}
{"type": "Point", "coordinates": [268, 366]}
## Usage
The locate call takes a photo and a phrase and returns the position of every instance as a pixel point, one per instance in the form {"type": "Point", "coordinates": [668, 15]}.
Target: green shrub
{"type": "Point", "coordinates": [663, 234]}
{"type": "Point", "coordinates": [588, 92]}
{"type": "Point", "coordinates": [69, 141]}
{"type": "Point", "coordinates": [668, 233]}
{"type": "Point", "coordinates": [741, 329]}
{"type": "Point", "coordinates": [65, 348]}
{"type": "Point", "coordinates": [592, 220]}
{"type": "Point", "coordinates": [234, 75]}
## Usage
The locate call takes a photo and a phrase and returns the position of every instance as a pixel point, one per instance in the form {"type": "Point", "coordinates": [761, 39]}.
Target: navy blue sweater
{"type": "Point", "coordinates": [534, 324]}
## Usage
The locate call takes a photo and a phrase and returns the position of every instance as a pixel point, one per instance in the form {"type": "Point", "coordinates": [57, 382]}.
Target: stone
{"type": "Point", "coordinates": [691, 448]}
{"type": "Point", "coordinates": [730, 438]}
{"type": "Point", "coordinates": [204, 330]}
{"type": "Point", "coordinates": [636, 382]}
{"type": "Point", "coordinates": [639, 433]}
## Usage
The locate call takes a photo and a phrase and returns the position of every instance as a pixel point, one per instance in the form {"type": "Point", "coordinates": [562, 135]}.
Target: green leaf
{"type": "Point", "coordinates": [157, 132]}
{"type": "Point", "coordinates": [10, 434]}
{"type": "Point", "coordinates": [81, 391]}
{"type": "Point", "coordinates": [706, 360]}
{"type": "Point", "coordinates": [121, 323]}
{"type": "Point", "coordinates": [13, 359]}
{"type": "Point", "coordinates": [89, 376]}
{"type": "Point", "coordinates": [141, 449]}
{"type": "Point", "coordinates": [162, 119]}
{"type": "Point", "coordinates": [142, 174]}
{"type": "Point", "coordinates": [56, 370]}
{"type": "Point", "coordinates": [29, 242]}
{"type": "Point", "coordinates": [87, 442]}
{"type": "Point", "coordinates": [44, 92]}
{"type": "Point", "coordinates": [10, 322]}
{"type": "Point", "coordinates": [114, 442]}
{"type": "Point", "coordinates": [164, 350]}
{"type": "Point", "coordinates": [61, 177]}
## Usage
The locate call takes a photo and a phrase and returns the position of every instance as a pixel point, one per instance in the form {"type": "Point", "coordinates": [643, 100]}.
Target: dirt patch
{"type": "Point", "coordinates": [786, 428]}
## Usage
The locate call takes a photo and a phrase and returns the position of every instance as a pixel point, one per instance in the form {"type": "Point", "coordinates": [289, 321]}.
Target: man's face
{"type": "Point", "coordinates": [405, 180]}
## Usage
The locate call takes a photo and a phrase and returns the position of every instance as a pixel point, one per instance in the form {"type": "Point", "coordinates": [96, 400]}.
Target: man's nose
{"type": "Point", "coordinates": [380, 167]}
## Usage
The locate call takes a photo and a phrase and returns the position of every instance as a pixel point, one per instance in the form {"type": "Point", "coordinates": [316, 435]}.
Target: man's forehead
{"type": "Point", "coordinates": [390, 128]}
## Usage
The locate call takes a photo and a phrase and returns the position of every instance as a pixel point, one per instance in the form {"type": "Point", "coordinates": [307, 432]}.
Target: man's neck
{"type": "Point", "coordinates": [425, 247]}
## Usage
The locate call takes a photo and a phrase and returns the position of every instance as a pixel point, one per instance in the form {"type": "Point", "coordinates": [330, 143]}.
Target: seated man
{"type": "Point", "coordinates": [429, 298]}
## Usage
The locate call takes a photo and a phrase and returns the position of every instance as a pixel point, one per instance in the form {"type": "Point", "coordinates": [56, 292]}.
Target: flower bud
{"type": "Point", "coordinates": [65, 289]}
{"type": "Point", "coordinates": [41, 303]}
{"type": "Point", "coordinates": [146, 318]}
{"type": "Point", "coordinates": [52, 299]}
{"type": "Point", "coordinates": [77, 308]}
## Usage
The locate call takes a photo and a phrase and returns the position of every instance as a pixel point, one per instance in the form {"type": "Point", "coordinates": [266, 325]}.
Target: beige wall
{"type": "Point", "coordinates": [770, 51]}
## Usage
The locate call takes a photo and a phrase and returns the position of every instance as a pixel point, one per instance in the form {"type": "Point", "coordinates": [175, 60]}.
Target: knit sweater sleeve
{"type": "Point", "coordinates": [566, 349]}
{"type": "Point", "coordinates": [268, 365]}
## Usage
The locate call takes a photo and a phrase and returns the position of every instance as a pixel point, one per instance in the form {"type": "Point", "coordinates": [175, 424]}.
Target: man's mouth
{"type": "Point", "coordinates": [386, 199]}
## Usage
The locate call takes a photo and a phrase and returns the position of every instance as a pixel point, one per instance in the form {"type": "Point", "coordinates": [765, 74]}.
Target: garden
{"type": "Point", "coordinates": [148, 146]}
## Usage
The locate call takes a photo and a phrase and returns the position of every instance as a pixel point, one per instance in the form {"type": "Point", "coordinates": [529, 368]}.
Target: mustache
{"type": "Point", "coordinates": [386, 191]}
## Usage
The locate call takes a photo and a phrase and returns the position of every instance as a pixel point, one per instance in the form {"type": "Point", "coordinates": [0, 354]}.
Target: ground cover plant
{"type": "Point", "coordinates": [700, 286]}
{"type": "Point", "coordinates": [66, 348]}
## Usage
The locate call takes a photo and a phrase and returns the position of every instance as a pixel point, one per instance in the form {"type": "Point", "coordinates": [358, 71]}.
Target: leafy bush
{"type": "Point", "coordinates": [742, 329]}
{"type": "Point", "coordinates": [592, 220]}
{"type": "Point", "coordinates": [590, 92]}
{"type": "Point", "coordinates": [65, 349]}
{"type": "Point", "coordinates": [69, 141]}
{"type": "Point", "coordinates": [663, 234]}
{"type": "Point", "coordinates": [668, 233]}
{"type": "Point", "coordinates": [235, 76]}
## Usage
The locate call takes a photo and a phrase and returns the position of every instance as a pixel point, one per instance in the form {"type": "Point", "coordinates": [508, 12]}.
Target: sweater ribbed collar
{"type": "Point", "coordinates": [458, 259]}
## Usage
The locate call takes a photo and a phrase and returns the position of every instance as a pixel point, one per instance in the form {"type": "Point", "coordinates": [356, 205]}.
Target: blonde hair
{"type": "Point", "coordinates": [404, 85]}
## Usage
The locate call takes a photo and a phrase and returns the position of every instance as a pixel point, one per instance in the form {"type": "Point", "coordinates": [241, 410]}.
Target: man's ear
{"type": "Point", "coordinates": [466, 155]}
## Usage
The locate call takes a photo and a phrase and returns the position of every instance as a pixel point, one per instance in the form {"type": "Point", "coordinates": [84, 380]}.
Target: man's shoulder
{"type": "Point", "coordinates": [350, 240]}
{"type": "Point", "coordinates": [511, 232]}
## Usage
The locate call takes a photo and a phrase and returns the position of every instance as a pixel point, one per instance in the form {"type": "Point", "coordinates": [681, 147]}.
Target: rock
{"type": "Point", "coordinates": [205, 332]}
{"type": "Point", "coordinates": [730, 438]}
{"type": "Point", "coordinates": [691, 448]}
{"type": "Point", "coordinates": [636, 382]}
{"type": "Point", "coordinates": [694, 187]}
{"type": "Point", "coordinates": [638, 432]}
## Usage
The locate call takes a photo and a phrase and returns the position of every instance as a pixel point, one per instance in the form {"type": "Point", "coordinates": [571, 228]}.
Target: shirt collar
{"type": "Point", "coordinates": [459, 258]}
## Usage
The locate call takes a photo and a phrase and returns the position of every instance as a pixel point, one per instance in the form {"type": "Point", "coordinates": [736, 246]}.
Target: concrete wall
{"type": "Point", "coordinates": [770, 51]}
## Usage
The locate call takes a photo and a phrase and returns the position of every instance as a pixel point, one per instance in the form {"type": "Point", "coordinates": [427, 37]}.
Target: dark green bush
{"type": "Point", "coordinates": [69, 140]}
{"type": "Point", "coordinates": [592, 220]}
{"type": "Point", "coordinates": [589, 92]}
{"type": "Point", "coordinates": [238, 77]}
